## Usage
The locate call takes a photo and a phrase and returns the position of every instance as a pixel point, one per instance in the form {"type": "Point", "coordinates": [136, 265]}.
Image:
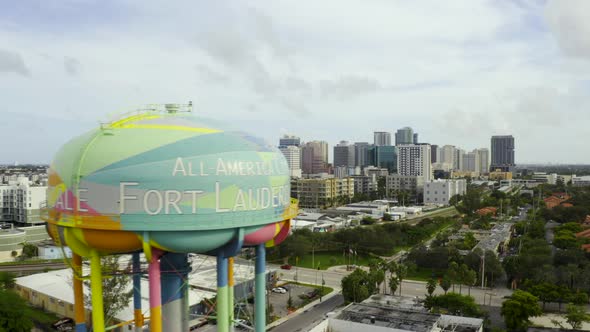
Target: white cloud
{"type": "Point", "coordinates": [570, 24]}
{"type": "Point", "coordinates": [458, 72]}
{"type": "Point", "coordinates": [12, 62]}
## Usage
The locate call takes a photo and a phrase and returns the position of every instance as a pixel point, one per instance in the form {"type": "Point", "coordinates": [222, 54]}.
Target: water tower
{"type": "Point", "coordinates": [165, 183]}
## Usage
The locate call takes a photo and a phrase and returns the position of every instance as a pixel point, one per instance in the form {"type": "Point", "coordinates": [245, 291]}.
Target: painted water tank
{"type": "Point", "coordinates": [168, 179]}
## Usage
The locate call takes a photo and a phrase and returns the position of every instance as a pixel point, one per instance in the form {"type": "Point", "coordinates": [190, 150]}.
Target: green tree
{"type": "Point", "coordinates": [445, 284]}
{"type": "Point", "coordinates": [355, 286]}
{"type": "Point", "coordinates": [519, 308]}
{"type": "Point", "coordinates": [7, 280]}
{"type": "Point", "coordinates": [454, 304]}
{"type": "Point", "coordinates": [114, 288]}
{"type": "Point", "coordinates": [453, 273]}
{"type": "Point", "coordinates": [470, 278]}
{"type": "Point", "coordinates": [546, 292]}
{"type": "Point", "coordinates": [29, 250]}
{"type": "Point", "coordinates": [576, 315]}
{"type": "Point", "coordinates": [393, 283]}
{"type": "Point", "coordinates": [430, 286]}
{"type": "Point", "coordinates": [15, 314]}
{"type": "Point", "coordinates": [469, 241]}
{"type": "Point", "coordinates": [289, 302]}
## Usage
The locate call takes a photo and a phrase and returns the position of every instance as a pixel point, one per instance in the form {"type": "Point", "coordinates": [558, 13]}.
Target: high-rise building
{"type": "Point", "coordinates": [434, 153]}
{"type": "Point", "coordinates": [344, 154]}
{"type": "Point", "coordinates": [414, 159]}
{"type": "Point", "coordinates": [447, 155]}
{"type": "Point", "coordinates": [484, 160]}
{"type": "Point", "coordinates": [404, 135]}
{"type": "Point", "coordinates": [361, 154]}
{"type": "Point", "coordinates": [381, 138]}
{"type": "Point", "coordinates": [471, 162]}
{"type": "Point", "coordinates": [415, 138]}
{"type": "Point", "coordinates": [503, 153]}
{"type": "Point", "coordinates": [383, 157]}
{"type": "Point", "coordinates": [289, 140]}
{"type": "Point", "coordinates": [293, 155]}
{"type": "Point", "coordinates": [315, 157]}
{"type": "Point", "coordinates": [458, 161]}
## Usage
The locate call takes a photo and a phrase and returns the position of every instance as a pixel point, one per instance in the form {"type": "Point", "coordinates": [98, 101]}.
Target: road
{"type": "Point", "coordinates": [409, 288]}
{"type": "Point", "coordinates": [309, 318]}
{"type": "Point", "coordinates": [311, 276]}
{"type": "Point", "coordinates": [25, 269]}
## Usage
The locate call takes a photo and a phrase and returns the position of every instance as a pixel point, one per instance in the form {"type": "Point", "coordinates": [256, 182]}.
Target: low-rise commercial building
{"type": "Point", "coordinates": [581, 181]}
{"type": "Point", "coordinates": [441, 191]}
{"type": "Point", "coordinates": [383, 313]}
{"type": "Point", "coordinates": [498, 174]}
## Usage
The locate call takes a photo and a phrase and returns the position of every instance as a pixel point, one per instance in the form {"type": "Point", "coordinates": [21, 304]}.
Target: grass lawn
{"type": "Point", "coordinates": [326, 259]}
{"type": "Point", "coordinates": [423, 274]}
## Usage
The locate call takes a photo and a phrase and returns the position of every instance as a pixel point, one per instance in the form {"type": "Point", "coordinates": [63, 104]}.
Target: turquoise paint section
{"type": "Point", "coordinates": [197, 241]}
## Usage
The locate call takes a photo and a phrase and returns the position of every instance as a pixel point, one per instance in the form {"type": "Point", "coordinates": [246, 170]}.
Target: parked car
{"type": "Point", "coordinates": [286, 266]}
{"type": "Point", "coordinates": [279, 290]}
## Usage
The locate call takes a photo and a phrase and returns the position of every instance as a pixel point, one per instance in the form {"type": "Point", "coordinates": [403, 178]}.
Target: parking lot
{"type": "Point", "coordinates": [279, 301]}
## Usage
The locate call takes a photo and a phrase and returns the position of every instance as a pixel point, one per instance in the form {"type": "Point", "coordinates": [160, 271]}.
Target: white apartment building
{"type": "Point", "coordinates": [20, 201]}
{"type": "Point", "coordinates": [414, 160]}
{"type": "Point", "coordinates": [545, 178]}
{"type": "Point", "coordinates": [441, 191]}
{"type": "Point", "coordinates": [293, 155]}
{"type": "Point", "coordinates": [581, 181]}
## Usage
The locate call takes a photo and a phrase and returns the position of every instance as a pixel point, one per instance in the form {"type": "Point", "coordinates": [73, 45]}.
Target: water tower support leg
{"type": "Point", "coordinates": [222, 294]}
{"type": "Point", "coordinates": [137, 314]}
{"type": "Point", "coordinates": [79, 315]}
{"type": "Point", "coordinates": [174, 288]}
{"type": "Point", "coordinates": [260, 289]}
{"type": "Point", "coordinates": [155, 292]}
{"type": "Point", "coordinates": [96, 290]}
{"type": "Point", "coordinates": [230, 295]}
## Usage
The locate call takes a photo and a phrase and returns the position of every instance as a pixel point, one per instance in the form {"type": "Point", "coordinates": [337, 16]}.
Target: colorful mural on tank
{"type": "Point", "coordinates": [170, 177]}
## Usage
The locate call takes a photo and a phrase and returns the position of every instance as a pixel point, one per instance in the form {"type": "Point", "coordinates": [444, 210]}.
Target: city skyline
{"type": "Point", "coordinates": [517, 69]}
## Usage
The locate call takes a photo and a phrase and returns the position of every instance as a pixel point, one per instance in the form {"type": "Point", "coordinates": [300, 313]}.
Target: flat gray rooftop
{"type": "Point", "coordinates": [387, 317]}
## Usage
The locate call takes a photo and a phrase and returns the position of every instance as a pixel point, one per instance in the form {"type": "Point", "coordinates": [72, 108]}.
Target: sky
{"type": "Point", "coordinates": [457, 72]}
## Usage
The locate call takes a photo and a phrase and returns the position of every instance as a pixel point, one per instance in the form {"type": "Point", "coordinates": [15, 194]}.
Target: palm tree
{"type": "Point", "coordinates": [391, 267]}
{"type": "Point", "coordinates": [401, 273]}
{"type": "Point", "coordinates": [393, 283]}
